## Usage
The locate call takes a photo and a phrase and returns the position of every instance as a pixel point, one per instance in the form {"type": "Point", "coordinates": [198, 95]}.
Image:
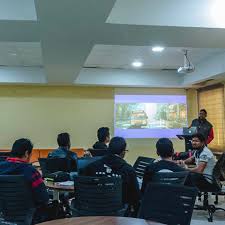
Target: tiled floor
{"type": "Point", "coordinates": [200, 217]}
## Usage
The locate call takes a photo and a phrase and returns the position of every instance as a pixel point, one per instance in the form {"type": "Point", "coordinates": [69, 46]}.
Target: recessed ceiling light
{"type": "Point", "coordinates": [157, 49]}
{"type": "Point", "coordinates": [137, 64]}
{"type": "Point", "coordinates": [12, 54]}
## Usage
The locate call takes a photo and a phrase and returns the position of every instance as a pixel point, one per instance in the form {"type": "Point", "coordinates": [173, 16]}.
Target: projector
{"type": "Point", "coordinates": [188, 67]}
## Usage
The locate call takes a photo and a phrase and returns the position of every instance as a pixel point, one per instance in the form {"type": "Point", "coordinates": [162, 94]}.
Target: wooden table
{"type": "Point", "coordinates": [100, 220]}
{"type": "Point", "coordinates": [57, 189]}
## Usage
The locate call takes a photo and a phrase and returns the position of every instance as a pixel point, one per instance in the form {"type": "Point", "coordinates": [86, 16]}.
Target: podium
{"type": "Point", "coordinates": [187, 139]}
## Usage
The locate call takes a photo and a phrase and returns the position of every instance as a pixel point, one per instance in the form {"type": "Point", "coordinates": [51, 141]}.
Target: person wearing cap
{"type": "Point", "coordinates": [164, 149]}
{"type": "Point", "coordinates": [113, 164]}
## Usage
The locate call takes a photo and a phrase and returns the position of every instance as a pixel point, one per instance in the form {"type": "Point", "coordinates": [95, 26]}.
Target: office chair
{"type": "Point", "coordinates": [97, 152]}
{"type": "Point", "coordinates": [4, 155]}
{"type": "Point", "coordinates": [168, 203]}
{"type": "Point", "coordinates": [170, 177]}
{"type": "Point", "coordinates": [60, 164]}
{"type": "Point", "coordinates": [42, 162]}
{"type": "Point", "coordinates": [206, 183]}
{"type": "Point", "coordinates": [82, 163]}
{"type": "Point", "coordinates": [16, 205]}
{"type": "Point", "coordinates": [219, 174]}
{"type": "Point", "coordinates": [98, 196]}
{"type": "Point", "coordinates": [140, 165]}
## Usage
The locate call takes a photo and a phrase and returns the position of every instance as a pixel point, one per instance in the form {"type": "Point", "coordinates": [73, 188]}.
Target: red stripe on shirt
{"type": "Point", "coordinates": [16, 160]}
{"type": "Point", "coordinates": [36, 174]}
{"type": "Point", "coordinates": [36, 183]}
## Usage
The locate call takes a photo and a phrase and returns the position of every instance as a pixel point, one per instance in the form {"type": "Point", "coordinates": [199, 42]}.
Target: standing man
{"type": "Point", "coordinates": [204, 127]}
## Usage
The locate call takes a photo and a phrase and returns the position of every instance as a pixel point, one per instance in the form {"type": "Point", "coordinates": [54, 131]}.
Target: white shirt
{"type": "Point", "coordinates": [206, 156]}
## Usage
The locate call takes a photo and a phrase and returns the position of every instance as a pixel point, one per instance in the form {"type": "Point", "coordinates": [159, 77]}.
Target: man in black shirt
{"type": "Point", "coordinates": [165, 151]}
{"type": "Point", "coordinates": [113, 164]}
{"type": "Point", "coordinates": [204, 127]}
{"type": "Point", "coordinates": [103, 138]}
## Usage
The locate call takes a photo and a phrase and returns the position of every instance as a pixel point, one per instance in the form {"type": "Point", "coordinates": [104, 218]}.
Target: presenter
{"type": "Point", "coordinates": [204, 127]}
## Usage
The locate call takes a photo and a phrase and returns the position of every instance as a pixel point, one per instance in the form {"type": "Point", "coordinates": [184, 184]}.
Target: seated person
{"type": "Point", "coordinates": [103, 138]}
{"type": "Point", "coordinates": [164, 149]}
{"type": "Point", "coordinates": [203, 158]}
{"type": "Point", "coordinates": [18, 164]}
{"type": "Point", "coordinates": [113, 164]}
{"type": "Point", "coordinates": [63, 151]}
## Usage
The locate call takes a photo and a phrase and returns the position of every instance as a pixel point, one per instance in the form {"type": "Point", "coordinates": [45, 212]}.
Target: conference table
{"type": "Point", "coordinates": [59, 187]}
{"type": "Point", "coordinates": [100, 220]}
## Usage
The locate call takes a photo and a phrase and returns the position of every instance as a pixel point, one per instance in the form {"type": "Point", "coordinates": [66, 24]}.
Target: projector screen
{"type": "Point", "coordinates": [149, 116]}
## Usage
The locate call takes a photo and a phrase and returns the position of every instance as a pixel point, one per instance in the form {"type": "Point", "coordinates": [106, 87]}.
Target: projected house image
{"type": "Point", "coordinates": [150, 115]}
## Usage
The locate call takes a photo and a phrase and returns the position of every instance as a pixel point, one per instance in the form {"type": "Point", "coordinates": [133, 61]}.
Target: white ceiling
{"type": "Point", "coordinates": [52, 41]}
{"type": "Point", "coordinates": [20, 54]}
{"type": "Point", "coordinates": [17, 10]}
{"type": "Point", "coordinates": [117, 56]}
{"type": "Point", "coordinates": [191, 13]}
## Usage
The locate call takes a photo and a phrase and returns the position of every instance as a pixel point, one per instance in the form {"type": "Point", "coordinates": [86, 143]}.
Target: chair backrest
{"type": "Point", "coordinates": [84, 162]}
{"type": "Point", "coordinates": [170, 177]}
{"type": "Point", "coordinates": [16, 204]}
{"type": "Point", "coordinates": [219, 169]}
{"type": "Point", "coordinates": [4, 155]}
{"type": "Point", "coordinates": [98, 196]}
{"type": "Point", "coordinates": [59, 164]}
{"type": "Point", "coordinates": [97, 152]}
{"type": "Point", "coordinates": [140, 165]}
{"type": "Point", "coordinates": [7, 154]}
{"type": "Point", "coordinates": [168, 203]}
{"type": "Point", "coordinates": [43, 165]}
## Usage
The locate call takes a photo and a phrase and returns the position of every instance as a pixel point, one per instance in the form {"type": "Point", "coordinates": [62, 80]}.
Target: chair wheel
{"type": "Point", "coordinates": [210, 219]}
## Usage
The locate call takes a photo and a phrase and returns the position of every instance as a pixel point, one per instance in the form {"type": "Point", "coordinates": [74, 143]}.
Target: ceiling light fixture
{"type": "Point", "coordinates": [157, 49]}
{"type": "Point", "coordinates": [12, 54]}
{"type": "Point", "coordinates": [137, 64]}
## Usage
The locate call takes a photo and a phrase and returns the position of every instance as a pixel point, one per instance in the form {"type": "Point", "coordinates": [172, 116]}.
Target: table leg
{"type": "Point", "coordinates": [56, 195]}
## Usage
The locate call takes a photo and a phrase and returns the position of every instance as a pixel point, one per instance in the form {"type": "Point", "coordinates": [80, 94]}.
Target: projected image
{"type": "Point", "coordinates": [150, 115]}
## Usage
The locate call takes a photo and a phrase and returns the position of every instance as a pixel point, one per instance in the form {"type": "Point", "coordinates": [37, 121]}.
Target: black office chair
{"type": "Point", "coordinates": [98, 196]}
{"type": "Point", "coordinates": [140, 165]}
{"type": "Point", "coordinates": [206, 183]}
{"type": "Point", "coordinates": [4, 155]}
{"type": "Point", "coordinates": [168, 203]}
{"type": "Point", "coordinates": [82, 163]}
{"type": "Point", "coordinates": [97, 152]}
{"type": "Point", "coordinates": [219, 173]}
{"type": "Point", "coordinates": [60, 164]}
{"type": "Point", "coordinates": [170, 177]}
{"type": "Point", "coordinates": [42, 162]}
{"type": "Point", "coordinates": [16, 205]}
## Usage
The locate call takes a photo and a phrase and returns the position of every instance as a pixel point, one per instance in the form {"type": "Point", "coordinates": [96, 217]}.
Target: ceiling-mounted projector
{"type": "Point", "coordinates": [188, 66]}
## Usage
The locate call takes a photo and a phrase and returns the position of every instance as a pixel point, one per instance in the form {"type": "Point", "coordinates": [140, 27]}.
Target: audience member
{"type": "Point", "coordinates": [164, 149]}
{"type": "Point", "coordinates": [63, 150]}
{"type": "Point", "coordinates": [103, 138]}
{"type": "Point", "coordinates": [18, 164]}
{"type": "Point", "coordinates": [203, 157]}
{"type": "Point", "coordinates": [113, 164]}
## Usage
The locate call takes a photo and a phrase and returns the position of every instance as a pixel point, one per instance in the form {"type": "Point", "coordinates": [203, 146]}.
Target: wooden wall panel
{"type": "Point", "coordinates": [43, 153]}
